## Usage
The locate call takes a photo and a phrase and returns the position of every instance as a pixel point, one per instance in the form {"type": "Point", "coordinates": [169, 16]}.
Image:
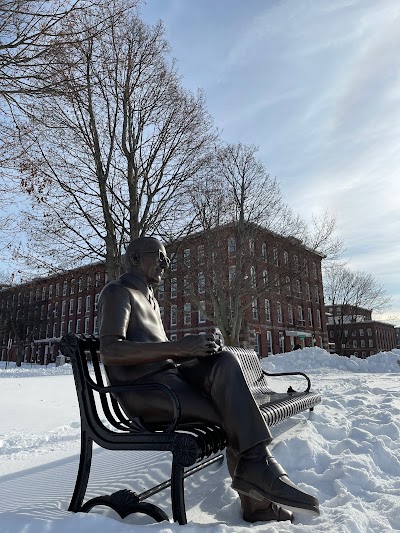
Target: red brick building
{"type": "Point", "coordinates": [356, 332]}
{"type": "Point", "coordinates": [283, 299]}
{"type": "Point", "coordinates": [35, 315]}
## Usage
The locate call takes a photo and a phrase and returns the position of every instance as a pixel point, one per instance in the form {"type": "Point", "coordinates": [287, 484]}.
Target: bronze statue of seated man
{"type": "Point", "coordinates": [207, 380]}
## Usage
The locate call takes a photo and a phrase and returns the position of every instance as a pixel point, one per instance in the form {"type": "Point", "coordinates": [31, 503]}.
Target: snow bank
{"type": "Point", "coordinates": [316, 359]}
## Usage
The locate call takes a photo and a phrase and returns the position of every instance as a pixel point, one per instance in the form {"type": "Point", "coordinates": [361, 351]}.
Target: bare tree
{"type": "Point", "coordinates": [355, 292]}
{"type": "Point", "coordinates": [239, 196]}
{"type": "Point", "coordinates": [110, 156]}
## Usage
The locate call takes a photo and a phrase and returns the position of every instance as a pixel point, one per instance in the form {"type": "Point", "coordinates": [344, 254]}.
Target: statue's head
{"type": "Point", "coordinates": [147, 257]}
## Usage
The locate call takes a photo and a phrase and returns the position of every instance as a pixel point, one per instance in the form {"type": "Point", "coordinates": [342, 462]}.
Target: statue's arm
{"type": "Point", "coordinates": [117, 350]}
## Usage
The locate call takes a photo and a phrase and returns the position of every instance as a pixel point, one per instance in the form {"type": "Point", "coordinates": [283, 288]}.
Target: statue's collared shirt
{"type": "Point", "coordinates": [128, 309]}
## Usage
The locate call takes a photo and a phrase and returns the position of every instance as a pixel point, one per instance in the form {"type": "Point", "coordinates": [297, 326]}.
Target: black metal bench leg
{"type": "Point", "coordinates": [177, 494]}
{"type": "Point", "coordinates": [83, 473]}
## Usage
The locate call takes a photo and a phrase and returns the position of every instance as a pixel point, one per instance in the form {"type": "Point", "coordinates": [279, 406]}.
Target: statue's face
{"type": "Point", "coordinates": [153, 262]}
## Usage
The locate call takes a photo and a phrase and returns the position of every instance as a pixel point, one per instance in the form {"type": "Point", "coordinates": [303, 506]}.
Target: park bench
{"type": "Point", "coordinates": [193, 446]}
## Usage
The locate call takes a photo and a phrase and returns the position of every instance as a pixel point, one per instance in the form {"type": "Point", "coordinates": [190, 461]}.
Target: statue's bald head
{"type": "Point", "coordinates": [141, 244]}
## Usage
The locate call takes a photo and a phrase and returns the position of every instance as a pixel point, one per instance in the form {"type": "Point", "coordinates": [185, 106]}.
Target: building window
{"type": "Point", "coordinates": [251, 247]}
{"type": "Point", "coordinates": [96, 301]}
{"type": "Point", "coordinates": [201, 283]}
{"type": "Point", "coordinates": [48, 310]}
{"type": "Point", "coordinates": [362, 343]}
{"type": "Point", "coordinates": [308, 292]}
{"type": "Point", "coordinates": [187, 314]}
{"type": "Point", "coordinates": [254, 309]}
{"type": "Point", "coordinates": [317, 296]}
{"type": "Point", "coordinates": [72, 287]}
{"type": "Point", "coordinates": [79, 309]}
{"type": "Point", "coordinates": [309, 315]}
{"type": "Point", "coordinates": [202, 317]}
{"type": "Point", "coordinates": [87, 304]}
{"type": "Point", "coordinates": [173, 337]}
{"type": "Point", "coordinates": [331, 334]}
{"type": "Point", "coordinates": [275, 256]}
{"type": "Point", "coordinates": [43, 293]}
{"type": "Point", "coordinates": [174, 287]}
{"type": "Point", "coordinates": [69, 326]}
{"type": "Point", "coordinates": [370, 343]}
{"type": "Point", "coordinates": [186, 285]}
{"type": "Point", "coordinates": [296, 262]}
{"type": "Point", "coordinates": [78, 326]}
{"type": "Point", "coordinates": [369, 332]}
{"type": "Point", "coordinates": [231, 246]}
{"type": "Point", "coordinates": [300, 315]}
{"type": "Point", "coordinates": [86, 332]}
{"type": "Point", "coordinates": [277, 284]}
{"type": "Point", "coordinates": [200, 254]}
{"type": "Point", "coordinates": [298, 288]}
{"type": "Point", "coordinates": [253, 277]}
{"type": "Point", "coordinates": [50, 291]}
{"type": "Point", "coordinates": [315, 272]}
{"type": "Point", "coordinates": [305, 263]}
{"type": "Point", "coordinates": [88, 283]}
{"type": "Point", "coordinates": [269, 342]}
{"type": "Point", "coordinates": [97, 279]}
{"type": "Point", "coordinates": [319, 318]}
{"type": "Point", "coordinates": [290, 314]}
{"type": "Point", "coordinates": [64, 291]}
{"type": "Point", "coordinates": [267, 306]}
{"type": "Point", "coordinates": [361, 332]}
{"type": "Point", "coordinates": [80, 285]}
{"type": "Point", "coordinates": [71, 307]}
{"type": "Point", "coordinates": [95, 326]}
{"type": "Point", "coordinates": [286, 258]}
{"type": "Point", "coordinates": [288, 286]}
{"type": "Point", "coordinates": [63, 307]}
{"type": "Point", "coordinates": [355, 343]}
{"type": "Point", "coordinates": [174, 313]}
{"type": "Point", "coordinates": [61, 329]}
{"type": "Point", "coordinates": [186, 258]}
{"type": "Point", "coordinates": [264, 251]}
{"type": "Point", "coordinates": [174, 262]}
{"type": "Point", "coordinates": [162, 313]}
{"type": "Point", "coordinates": [265, 279]}
{"type": "Point", "coordinates": [56, 309]}
{"type": "Point", "coordinates": [57, 289]}
{"type": "Point", "coordinates": [55, 330]}
{"type": "Point", "coordinates": [279, 313]}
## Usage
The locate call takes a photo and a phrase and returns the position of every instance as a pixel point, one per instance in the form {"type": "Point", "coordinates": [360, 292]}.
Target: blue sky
{"type": "Point", "coordinates": [316, 85]}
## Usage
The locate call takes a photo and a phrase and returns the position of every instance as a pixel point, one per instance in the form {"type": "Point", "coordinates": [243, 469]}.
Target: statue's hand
{"type": "Point", "coordinates": [201, 345]}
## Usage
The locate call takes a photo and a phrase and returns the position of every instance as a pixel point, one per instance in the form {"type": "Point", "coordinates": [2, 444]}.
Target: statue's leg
{"type": "Point", "coordinates": [255, 510]}
{"type": "Point", "coordinates": [220, 377]}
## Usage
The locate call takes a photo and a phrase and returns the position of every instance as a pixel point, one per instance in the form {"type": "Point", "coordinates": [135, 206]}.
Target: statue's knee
{"type": "Point", "coordinates": [229, 360]}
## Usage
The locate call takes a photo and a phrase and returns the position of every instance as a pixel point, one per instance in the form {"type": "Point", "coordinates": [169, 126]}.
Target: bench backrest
{"type": "Point", "coordinates": [252, 370]}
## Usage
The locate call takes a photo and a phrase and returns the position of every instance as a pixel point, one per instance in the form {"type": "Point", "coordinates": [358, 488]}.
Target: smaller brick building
{"type": "Point", "coordinates": [357, 333]}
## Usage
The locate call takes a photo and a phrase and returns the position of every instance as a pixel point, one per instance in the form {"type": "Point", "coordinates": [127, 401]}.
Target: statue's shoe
{"type": "Point", "coordinates": [272, 513]}
{"type": "Point", "coordinates": [267, 479]}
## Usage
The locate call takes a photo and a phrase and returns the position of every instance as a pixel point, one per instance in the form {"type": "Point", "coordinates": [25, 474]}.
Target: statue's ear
{"type": "Point", "coordinates": [135, 258]}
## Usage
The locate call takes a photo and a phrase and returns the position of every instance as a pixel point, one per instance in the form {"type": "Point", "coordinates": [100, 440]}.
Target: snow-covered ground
{"type": "Point", "coordinates": [347, 453]}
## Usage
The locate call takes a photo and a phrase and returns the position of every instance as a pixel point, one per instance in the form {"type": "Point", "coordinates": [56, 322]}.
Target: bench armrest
{"type": "Point", "coordinates": [290, 374]}
{"type": "Point", "coordinates": [142, 387]}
